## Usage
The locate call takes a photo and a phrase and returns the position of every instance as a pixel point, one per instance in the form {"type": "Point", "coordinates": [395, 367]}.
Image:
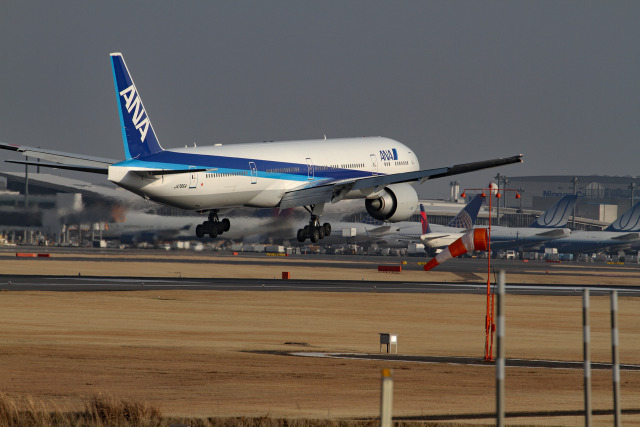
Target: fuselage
{"type": "Point", "coordinates": [503, 238]}
{"type": "Point", "coordinates": [594, 241]}
{"type": "Point", "coordinates": [259, 174]}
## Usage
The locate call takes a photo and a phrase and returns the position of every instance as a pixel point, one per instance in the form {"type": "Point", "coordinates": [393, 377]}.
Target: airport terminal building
{"type": "Point", "coordinates": [600, 198]}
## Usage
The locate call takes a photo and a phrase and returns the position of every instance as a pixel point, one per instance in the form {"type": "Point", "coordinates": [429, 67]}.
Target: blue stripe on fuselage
{"type": "Point", "coordinates": [182, 161]}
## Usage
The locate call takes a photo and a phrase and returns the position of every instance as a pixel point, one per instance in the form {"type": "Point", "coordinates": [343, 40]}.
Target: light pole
{"type": "Point", "coordinates": [575, 181]}
{"type": "Point", "coordinates": [489, 318]}
{"type": "Point", "coordinates": [632, 187]}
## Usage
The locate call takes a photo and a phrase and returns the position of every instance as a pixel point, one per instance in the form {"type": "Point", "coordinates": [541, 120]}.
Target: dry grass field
{"type": "Point", "coordinates": [215, 353]}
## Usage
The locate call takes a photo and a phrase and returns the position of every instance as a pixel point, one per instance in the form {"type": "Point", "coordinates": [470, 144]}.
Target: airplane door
{"type": "Point", "coordinates": [310, 173]}
{"type": "Point", "coordinates": [254, 172]}
{"type": "Point", "coordinates": [374, 164]}
{"type": "Point", "coordinates": [193, 178]}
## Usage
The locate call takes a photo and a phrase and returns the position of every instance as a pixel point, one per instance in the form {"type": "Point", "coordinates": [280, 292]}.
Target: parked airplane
{"type": "Point", "coordinates": [551, 225]}
{"type": "Point", "coordinates": [399, 235]}
{"type": "Point", "coordinates": [436, 237]}
{"type": "Point", "coordinates": [623, 233]}
{"type": "Point", "coordinates": [276, 174]}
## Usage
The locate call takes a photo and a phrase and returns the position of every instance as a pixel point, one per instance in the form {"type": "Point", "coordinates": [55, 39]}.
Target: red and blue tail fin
{"type": "Point", "coordinates": [137, 133]}
{"type": "Point", "coordinates": [423, 219]}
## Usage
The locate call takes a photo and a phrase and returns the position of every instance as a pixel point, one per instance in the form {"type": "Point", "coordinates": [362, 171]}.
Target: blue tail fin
{"type": "Point", "coordinates": [468, 215]}
{"type": "Point", "coordinates": [137, 133]}
{"type": "Point", "coordinates": [628, 221]}
{"type": "Point", "coordinates": [423, 220]}
{"type": "Point", "coordinates": [557, 215]}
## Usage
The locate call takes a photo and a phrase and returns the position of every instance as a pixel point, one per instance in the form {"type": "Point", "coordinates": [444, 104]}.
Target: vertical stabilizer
{"type": "Point", "coordinates": [628, 221]}
{"type": "Point", "coordinates": [557, 215]}
{"type": "Point", "coordinates": [137, 133]}
{"type": "Point", "coordinates": [423, 220]}
{"type": "Point", "coordinates": [469, 214]}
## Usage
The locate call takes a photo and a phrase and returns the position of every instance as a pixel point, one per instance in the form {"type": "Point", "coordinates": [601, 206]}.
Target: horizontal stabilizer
{"type": "Point", "coordinates": [92, 169]}
{"type": "Point", "coordinates": [59, 156]}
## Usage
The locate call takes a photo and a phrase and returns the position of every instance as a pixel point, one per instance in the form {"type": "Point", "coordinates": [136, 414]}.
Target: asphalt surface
{"type": "Point", "coordinates": [95, 283]}
{"type": "Point", "coordinates": [464, 268]}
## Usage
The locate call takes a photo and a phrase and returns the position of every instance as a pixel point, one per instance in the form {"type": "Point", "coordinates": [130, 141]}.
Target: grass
{"type": "Point", "coordinates": [107, 411]}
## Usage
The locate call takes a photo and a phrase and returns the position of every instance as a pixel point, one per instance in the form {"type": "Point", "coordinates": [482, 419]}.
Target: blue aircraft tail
{"type": "Point", "coordinates": [468, 215]}
{"type": "Point", "coordinates": [628, 221]}
{"type": "Point", "coordinates": [137, 133]}
{"type": "Point", "coordinates": [557, 215]}
{"type": "Point", "coordinates": [423, 220]}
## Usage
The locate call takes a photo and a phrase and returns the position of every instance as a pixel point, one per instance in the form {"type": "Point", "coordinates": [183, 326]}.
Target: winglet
{"type": "Point", "coordinates": [137, 133]}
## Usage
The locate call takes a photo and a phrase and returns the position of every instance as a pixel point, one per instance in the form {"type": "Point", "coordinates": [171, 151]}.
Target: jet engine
{"type": "Point", "coordinates": [397, 202]}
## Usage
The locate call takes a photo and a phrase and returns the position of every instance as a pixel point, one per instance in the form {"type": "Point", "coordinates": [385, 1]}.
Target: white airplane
{"type": "Point", "coordinates": [267, 174]}
{"type": "Point", "coordinates": [620, 235]}
{"type": "Point", "coordinates": [551, 225]}
{"type": "Point", "coordinates": [400, 234]}
{"type": "Point", "coordinates": [436, 237]}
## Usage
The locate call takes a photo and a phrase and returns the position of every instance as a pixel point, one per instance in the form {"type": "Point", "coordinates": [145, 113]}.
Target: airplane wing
{"type": "Point", "coordinates": [381, 231]}
{"type": "Point", "coordinates": [555, 233]}
{"type": "Point", "coordinates": [336, 191]}
{"type": "Point", "coordinates": [432, 236]}
{"type": "Point", "coordinates": [627, 237]}
{"type": "Point", "coordinates": [61, 159]}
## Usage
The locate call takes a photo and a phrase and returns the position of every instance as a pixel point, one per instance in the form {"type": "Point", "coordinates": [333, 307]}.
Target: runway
{"type": "Point", "coordinates": [106, 284]}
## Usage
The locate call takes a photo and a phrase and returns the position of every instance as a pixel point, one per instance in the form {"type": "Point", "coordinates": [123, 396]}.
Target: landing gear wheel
{"type": "Point", "coordinates": [321, 232]}
{"type": "Point", "coordinates": [302, 236]}
{"type": "Point", "coordinates": [314, 235]}
{"type": "Point", "coordinates": [226, 224]}
{"type": "Point", "coordinates": [327, 229]}
{"type": "Point", "coordinates": [213, 230]}
{"type": "Point", "coordinates": [199, 231]}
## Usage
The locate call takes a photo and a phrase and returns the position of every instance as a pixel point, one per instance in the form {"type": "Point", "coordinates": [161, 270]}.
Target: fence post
{"type": "Point", "coordinates": [615, 360]}
{"type": "Point", "coordinates": [386, 398]}
{"type": "Point", "coordinates": [500, 347]}
{"type": "Point", "coordinates": [586, 343]}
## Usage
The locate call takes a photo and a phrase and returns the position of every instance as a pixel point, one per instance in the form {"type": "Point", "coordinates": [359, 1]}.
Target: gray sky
{"type": "Point", "coordinates": [458, 81]}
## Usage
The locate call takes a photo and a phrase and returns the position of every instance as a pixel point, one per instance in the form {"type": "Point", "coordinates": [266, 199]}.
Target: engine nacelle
{"type": "Point", "coordinates": [397, 202]}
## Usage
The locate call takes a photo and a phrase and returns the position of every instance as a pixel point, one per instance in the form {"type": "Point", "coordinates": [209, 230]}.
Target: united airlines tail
{"type": "Point", "coordinates": [557, 215]}
{"type": "Point", "coordinates": [628, 221]}
{"type": "Point", "coordinates": [467, 217]}
{"type": "Point", "coordinates": [137, 133]}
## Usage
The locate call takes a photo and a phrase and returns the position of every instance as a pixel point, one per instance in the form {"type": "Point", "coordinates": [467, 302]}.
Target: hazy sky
{"type": "Point", "coordinates": [458, 81]}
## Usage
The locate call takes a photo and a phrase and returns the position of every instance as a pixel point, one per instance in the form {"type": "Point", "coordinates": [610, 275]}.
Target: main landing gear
{"type": "Point", "coordinates": [314, 231]}
{"type": "Point", "coordinates": [213, 226]}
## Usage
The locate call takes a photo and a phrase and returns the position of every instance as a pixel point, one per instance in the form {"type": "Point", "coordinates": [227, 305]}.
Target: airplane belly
{"type": "Point", "coordinates": [182, 191]}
